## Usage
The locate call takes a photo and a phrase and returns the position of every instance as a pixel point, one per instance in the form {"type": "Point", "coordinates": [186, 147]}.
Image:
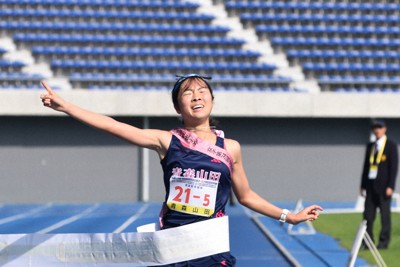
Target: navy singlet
{"type": "Point", "coordinates": [200, 165]}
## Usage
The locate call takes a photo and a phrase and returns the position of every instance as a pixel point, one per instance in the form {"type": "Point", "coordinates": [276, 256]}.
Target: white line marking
{"type": "Point", "coordinates": [24, 215]}
{"type": "Point", "coordinates": [68, 220]}
{"type": "Point", "coordinates": [286, 253]}
{"type": "Point", "coordinates": [131, 219]}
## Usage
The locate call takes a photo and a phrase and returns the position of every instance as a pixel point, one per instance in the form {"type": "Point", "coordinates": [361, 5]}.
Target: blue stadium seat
{"type": "Point", "coordinates": [277, 18]}
{"type": "Point", "coordinates": [19, 76]}
{"type": "Point", "coordinates": [10, 66]}
{"type": "Point", "coordinates": [70, 27]}
{"type": "Point", "coordinates": [322, 30]}
{"type": "Point", "coordinates": [351, 67]}
{"type": "Point", "coordinates": [17, 80]}
{"type": "Point", "coordinates": [336, 6]}
{"type": "Point", "coordinates": [245, 66]}
{"type": "Point", "coordinates": [359, 42]}
{"type": "Point", "coordinates": [360, 79]}
{"type": "Point", "coordinates": [64, 39]}
{"type": "Point", "coordinates": [367, 90]}
{"type": "Point", "coordinates": [114, 51]}
{"type": "Point", "coordinates": [248, 82]}
{"type": "Point", "coordinates": [106, 14]}
{"type": "Point", "coordinates": [329, 56]}
{"type": "Point", "coordinates": [107, 3]}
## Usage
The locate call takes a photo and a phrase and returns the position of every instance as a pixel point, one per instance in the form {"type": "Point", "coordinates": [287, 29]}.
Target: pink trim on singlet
{"type": "Point", "coordinates": [192, 141]}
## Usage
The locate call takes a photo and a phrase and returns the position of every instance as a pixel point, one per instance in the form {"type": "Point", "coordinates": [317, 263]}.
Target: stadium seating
{"type": "Point", "coordinates": [10, 66]}
{"type": "Point", "coordinates": [345, 55]}
{"type": "Point", "coordinates": [312, 6]}
{"type": "Point", "coordinates": [11, 76]}
{"type": "Point", "coordinates": [109, 44]}
{"type": "Point", "coordinates": [18, 80]}
{"type": "Point", "coordinates": [269, 31]}
{"type": "Point", "coordinates": [161, 81]}
{"type": "Point", "coordinates": [102, 40]}
{"type": "Point", "coordinates": [101, 16]}
{"type": "Point", "coordinates": [347, 46]}
{"type": "Point", "coordinates": [252, 19]}
{"type": "Point", "coordinates": [161, 5]}
{"type": "Point", "coordinates": [47, 53]}
{"type": "Point", "coordinates": [111, 28]}
{"type": "Point", "coordinates": [114, 43]}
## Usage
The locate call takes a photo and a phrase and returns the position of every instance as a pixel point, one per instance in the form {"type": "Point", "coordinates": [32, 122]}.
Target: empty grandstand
{"type": "Point", "coordinates": [126, 45]}
{"type": "Point", "coordinates": [273, 46]}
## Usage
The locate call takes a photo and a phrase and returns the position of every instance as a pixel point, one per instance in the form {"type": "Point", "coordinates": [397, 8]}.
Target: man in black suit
{"type": "Point", "coordinates": [378, 181]}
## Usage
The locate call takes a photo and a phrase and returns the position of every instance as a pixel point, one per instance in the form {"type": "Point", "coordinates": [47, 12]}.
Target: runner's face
{"type": "Point", "coordinates": [195, 102]}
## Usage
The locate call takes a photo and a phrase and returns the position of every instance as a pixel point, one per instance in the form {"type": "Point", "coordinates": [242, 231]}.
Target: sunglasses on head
{"type": "Point", "coordinates": [181, 78]}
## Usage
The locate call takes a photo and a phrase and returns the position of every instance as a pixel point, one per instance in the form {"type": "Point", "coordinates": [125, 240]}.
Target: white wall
{"type": "Point", "coordinates": [230, 104]}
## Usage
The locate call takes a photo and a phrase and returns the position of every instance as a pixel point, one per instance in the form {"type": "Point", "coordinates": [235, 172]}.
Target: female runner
{"type": "Point", "coordinates": [196, 159]}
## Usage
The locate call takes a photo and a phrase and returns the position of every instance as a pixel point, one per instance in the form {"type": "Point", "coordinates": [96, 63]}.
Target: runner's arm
{"type": "Point", "coordinates": [153, 139]}
{"type": "Point", "coordinates": [247, 197]}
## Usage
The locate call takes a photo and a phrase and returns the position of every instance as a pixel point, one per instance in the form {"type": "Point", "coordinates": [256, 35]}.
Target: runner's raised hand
{"type": "Point", "coordinates": [310, 213]}
{"type": "Point", "coordinates": [51, 99]}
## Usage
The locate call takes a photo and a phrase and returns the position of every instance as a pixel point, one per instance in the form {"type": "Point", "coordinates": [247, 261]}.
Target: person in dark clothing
{"type": "Point", "coordinates": [378, 181]}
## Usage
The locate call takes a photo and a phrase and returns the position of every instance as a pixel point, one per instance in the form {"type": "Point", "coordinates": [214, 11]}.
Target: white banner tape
{"type": "Point", "coordinates": [123, 249]}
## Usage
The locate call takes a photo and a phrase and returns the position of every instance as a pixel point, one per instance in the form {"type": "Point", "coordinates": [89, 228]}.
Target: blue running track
{"type": "Point", "coordinates": [249, 244]}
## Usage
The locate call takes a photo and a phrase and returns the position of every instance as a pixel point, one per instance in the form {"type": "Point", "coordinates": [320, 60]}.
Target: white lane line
{"type": "Point", "coordinates": [68, 220]}
{"type": "Point", "coordinates": [24, 215]}
{"type": "Point", "coordinates": [286, 253]}
{"type": "Point", "coordinates": [131, 219]}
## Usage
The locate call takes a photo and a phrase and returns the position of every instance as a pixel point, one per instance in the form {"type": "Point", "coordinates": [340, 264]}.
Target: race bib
{"type": "Point", "coordinates": [373, 171]}
{"type": "Point", "coordinates": [192, 195]}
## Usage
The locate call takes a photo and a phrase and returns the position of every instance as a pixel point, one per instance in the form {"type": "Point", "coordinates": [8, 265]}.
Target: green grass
{"type": "Point", "coordinates": [343, 227]}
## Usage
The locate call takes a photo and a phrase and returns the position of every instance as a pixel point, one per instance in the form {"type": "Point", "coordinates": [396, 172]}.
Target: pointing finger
{"type": "Point", "coordinates": [47, 87]}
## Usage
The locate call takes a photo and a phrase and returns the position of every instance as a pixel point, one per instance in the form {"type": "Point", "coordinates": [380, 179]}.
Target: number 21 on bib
{"type": "Point", "coordinates": [192, 195]}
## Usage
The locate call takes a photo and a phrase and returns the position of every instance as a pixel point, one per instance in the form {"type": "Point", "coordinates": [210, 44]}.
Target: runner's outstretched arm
{"type": "Point", "coordinates": [149, 138]}
{"type": "Point", "coordinates": [247, 197]}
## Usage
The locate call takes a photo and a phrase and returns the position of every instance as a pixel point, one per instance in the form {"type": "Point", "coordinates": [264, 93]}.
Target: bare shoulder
{"type": "Point", "coordinates": [233, 147]}
{"type": "Point", "coordinates": [232, 142]}
{"type": "Point", "coordinates": [163, 136]}
{"type": "Point", "coordinates": [162, 140]}
{"type": "Point", "coordinates": [156, 139]}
